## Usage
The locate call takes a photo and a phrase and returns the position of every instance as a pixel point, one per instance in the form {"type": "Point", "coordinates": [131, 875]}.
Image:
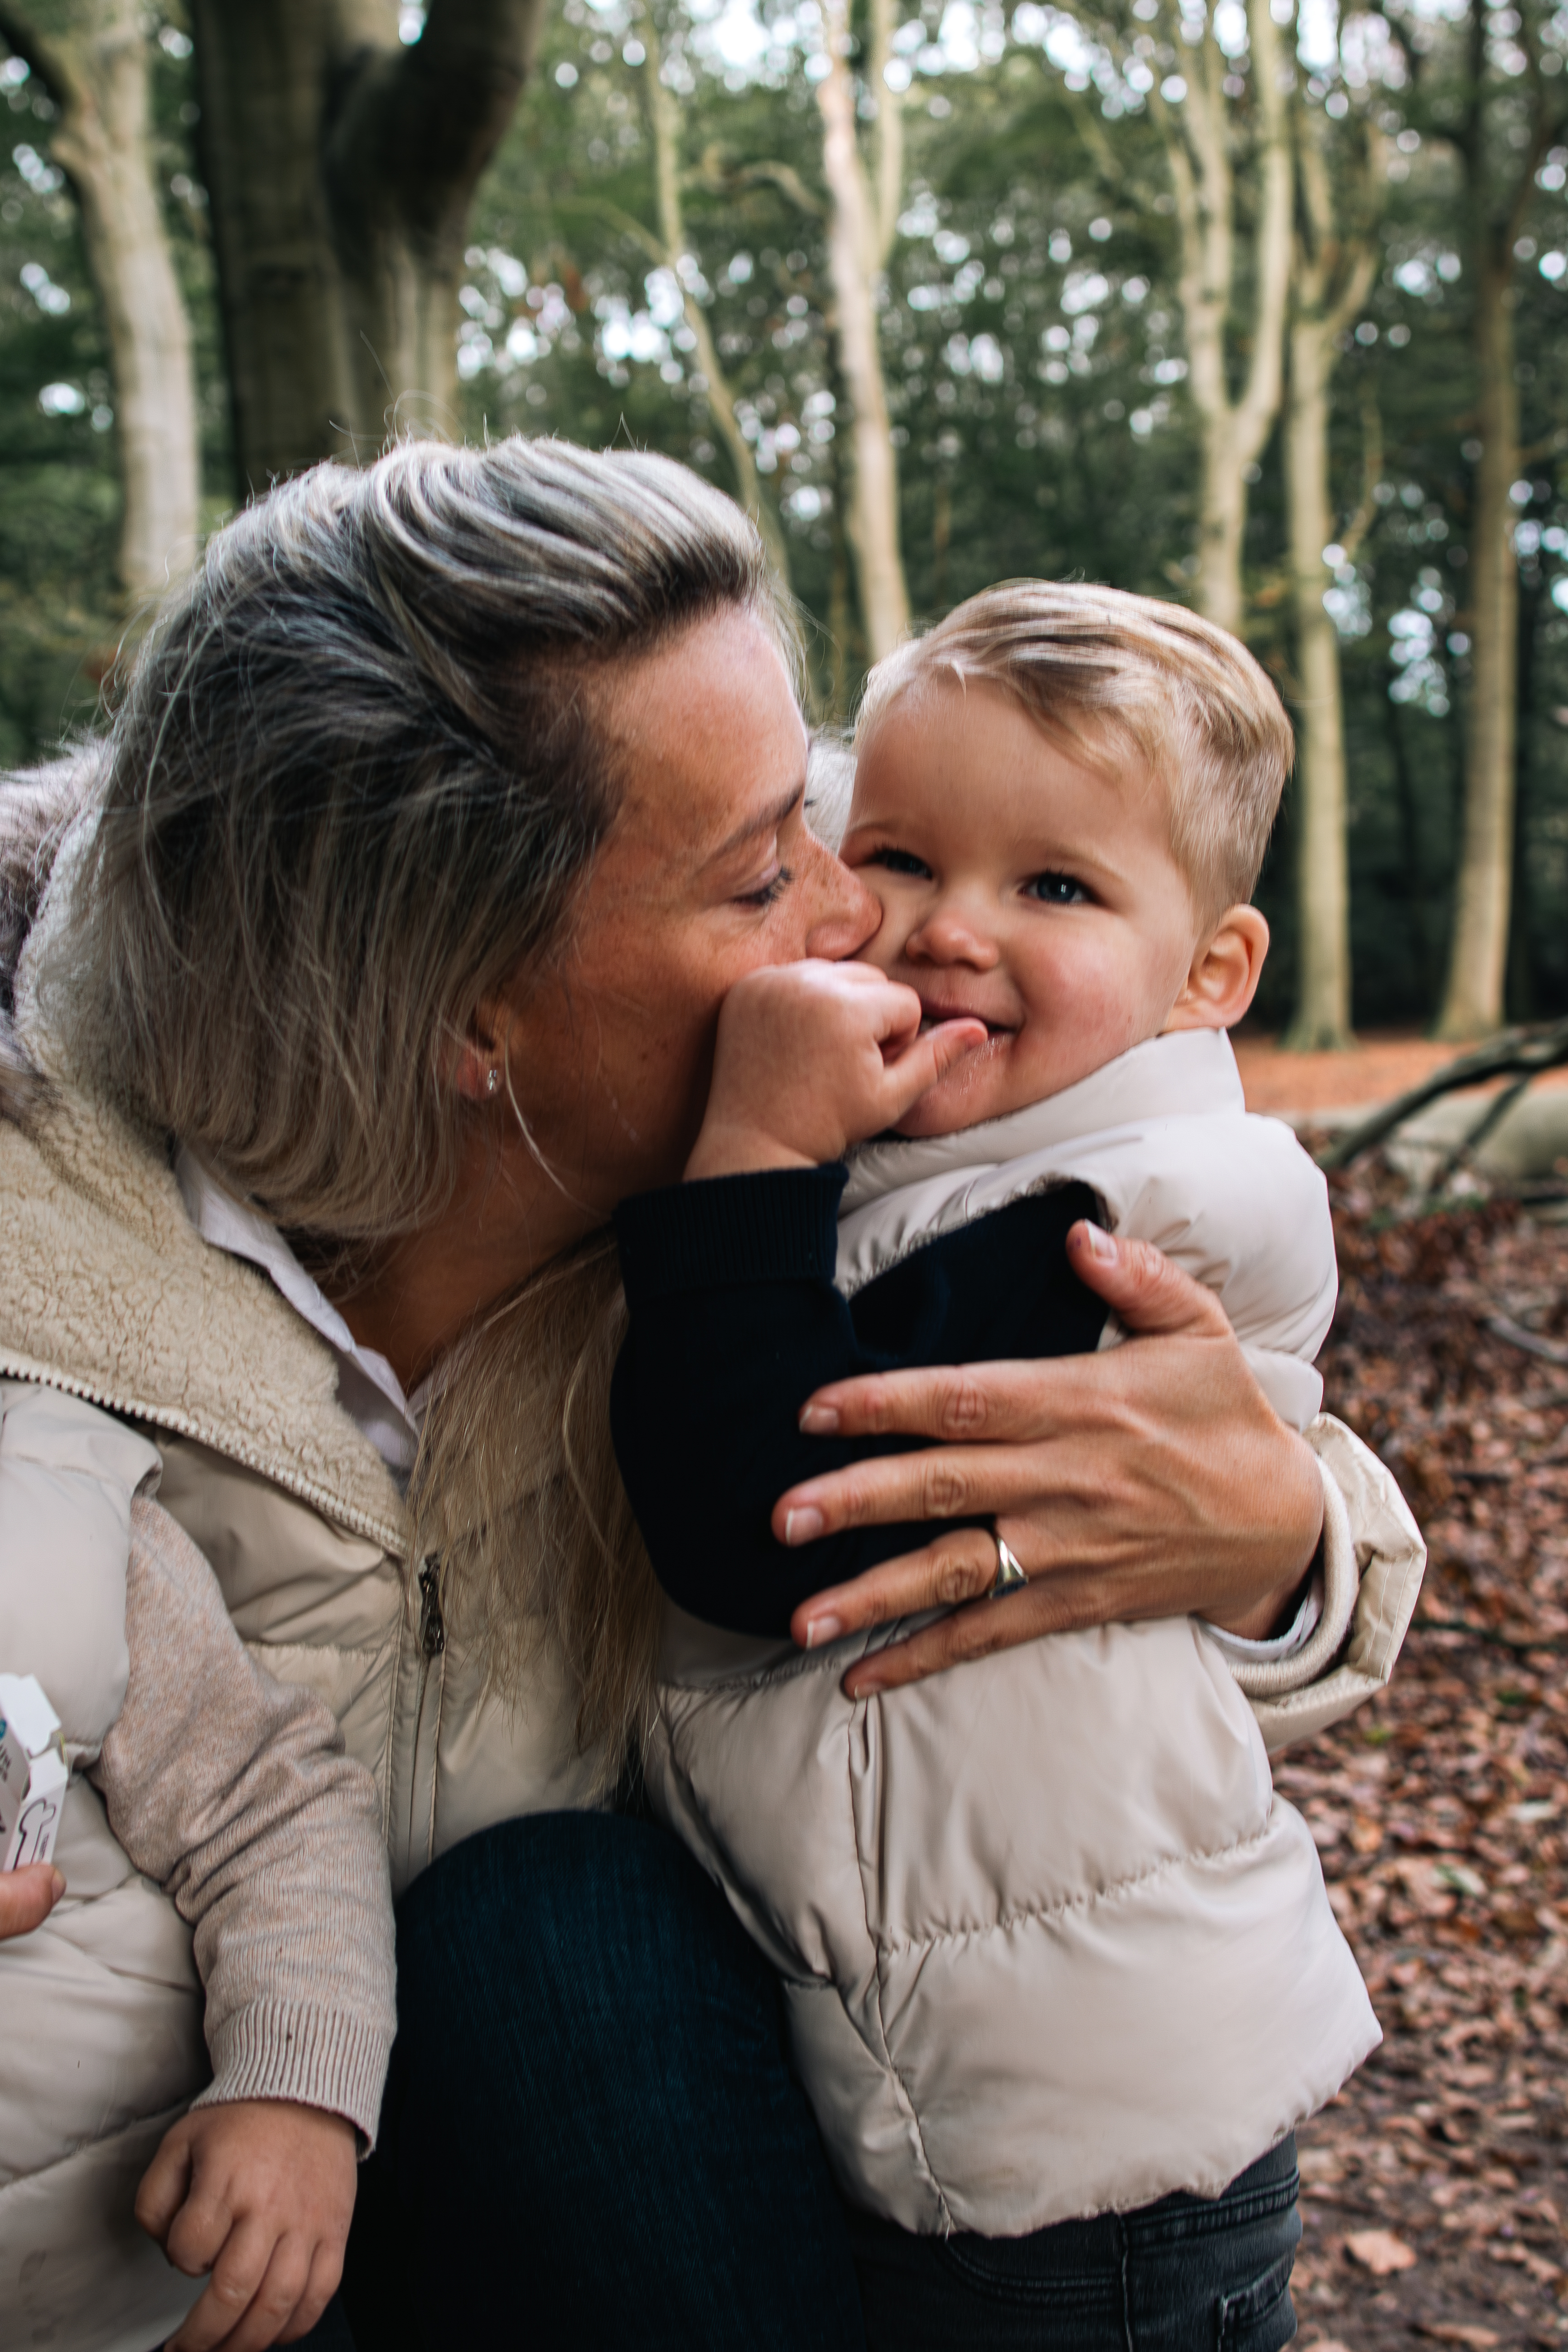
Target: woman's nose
{"type": "Point", "coordinates": [949, 936]}
{"type": "Point", "coordinates": [841, 914]}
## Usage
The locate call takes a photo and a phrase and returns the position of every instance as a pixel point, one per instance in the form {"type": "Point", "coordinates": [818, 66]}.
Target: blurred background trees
{"type": "Point", "coordinates": [1262, 307]}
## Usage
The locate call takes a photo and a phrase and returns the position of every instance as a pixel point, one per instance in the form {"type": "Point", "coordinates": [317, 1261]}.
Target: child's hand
{"type": "Point", "coordinates": [27, 1897]}
{"type": "Point", "coordinates": [812, 1057]}
{"type": "Point", "coordinates": [260, 2193]}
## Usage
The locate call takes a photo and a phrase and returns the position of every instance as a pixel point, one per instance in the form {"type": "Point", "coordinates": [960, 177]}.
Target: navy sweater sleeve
{"type": "Point", "coordinates": [734, 1320]}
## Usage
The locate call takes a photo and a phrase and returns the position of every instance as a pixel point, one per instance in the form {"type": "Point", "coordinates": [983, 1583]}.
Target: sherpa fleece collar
{"type": "Point", "coordinates": [108, 1290]}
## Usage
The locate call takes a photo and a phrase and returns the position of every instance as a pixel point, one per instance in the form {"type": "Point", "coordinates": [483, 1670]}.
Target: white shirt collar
{"type": "Point", "coordinates": [368, 1388]}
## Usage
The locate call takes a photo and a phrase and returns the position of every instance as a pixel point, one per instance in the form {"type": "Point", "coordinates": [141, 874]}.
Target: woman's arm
{"type": "Point", "coordinates": [1151, 1480]}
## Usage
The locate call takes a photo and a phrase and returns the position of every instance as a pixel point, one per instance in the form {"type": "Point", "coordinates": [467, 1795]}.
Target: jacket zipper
{"type": "Point", "coordinates": [432, 1624]}
{"type": "Point", "coordinates": [430, 1677]}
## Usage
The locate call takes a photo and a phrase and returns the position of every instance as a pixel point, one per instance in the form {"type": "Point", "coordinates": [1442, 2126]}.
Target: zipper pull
{"type": "Point", "coordinates": [432, 1624]}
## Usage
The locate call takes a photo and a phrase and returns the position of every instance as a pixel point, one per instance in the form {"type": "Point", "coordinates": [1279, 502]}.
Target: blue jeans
{"type": "Point", "coordinates": [1187, 2275]}
{"type": "Point", "coordinates": [590, 2134]}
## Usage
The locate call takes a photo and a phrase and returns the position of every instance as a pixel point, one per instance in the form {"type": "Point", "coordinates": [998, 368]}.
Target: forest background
{"type": "Point", "coordinates": [1260, 307]}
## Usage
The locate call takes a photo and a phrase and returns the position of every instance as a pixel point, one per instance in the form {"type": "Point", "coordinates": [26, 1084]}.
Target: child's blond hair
{"type": "Point", "coordinates": [1130, 675]}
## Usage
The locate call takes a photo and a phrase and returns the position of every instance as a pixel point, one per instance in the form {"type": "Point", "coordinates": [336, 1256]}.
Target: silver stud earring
{"type": "Point", "coordinates": [492, 1082]}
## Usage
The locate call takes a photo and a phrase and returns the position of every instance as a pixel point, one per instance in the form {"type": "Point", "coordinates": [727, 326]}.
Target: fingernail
{"type": "Point", "coordinates": [1101, 1245]}
{"type": "Point", "coordinates": [822, 1629]}
{"type": "Point", "coordinates": [818, 1420]}
{"type": "Point", "coordinates": [57, 1879]}
{"type": "Point", "coordinates": [803, 1526]}
{"type": "Point", "coordinates": [867, 1685]}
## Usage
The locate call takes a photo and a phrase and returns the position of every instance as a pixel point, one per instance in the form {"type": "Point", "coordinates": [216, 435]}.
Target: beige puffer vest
{"type": "Point", "coordinates": [1051, 1945]}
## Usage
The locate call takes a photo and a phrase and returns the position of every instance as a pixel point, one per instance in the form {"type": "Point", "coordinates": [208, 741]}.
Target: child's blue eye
{"type": "Point", "coordinates": [900, 861]}
{"type": "Point", "coordinates": [1055, 890]}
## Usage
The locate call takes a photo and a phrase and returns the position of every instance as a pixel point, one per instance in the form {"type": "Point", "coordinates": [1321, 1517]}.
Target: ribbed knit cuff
{"type": "Point", "coordinates": [781, 1224]}
{"type": "Point", "coordinates": [289, 2050]}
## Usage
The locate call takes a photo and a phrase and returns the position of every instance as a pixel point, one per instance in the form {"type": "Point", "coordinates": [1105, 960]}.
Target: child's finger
{"type": "Point", "coordinates": [27, 1897]}
{"type": "Point", "coordinates": [326, 2276]}
{"type": "Point", "coordinates": [165, 2184]}
{"type": "Point", "coordinates": [917, 1069]}
{"type": "Point", "coordinates": [256, 2283]}
{"type": "Point", "coordinates": [204, 2227]}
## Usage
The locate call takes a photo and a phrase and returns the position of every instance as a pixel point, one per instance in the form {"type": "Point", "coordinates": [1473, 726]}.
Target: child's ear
{"type": "Point", "coordinates": [1225, 973]}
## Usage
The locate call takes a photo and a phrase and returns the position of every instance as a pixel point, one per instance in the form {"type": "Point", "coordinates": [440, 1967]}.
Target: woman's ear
{"type": "Point", "coordinates": [474, 1063]}
{"type": "Point", "coordinates": [1225, 973]}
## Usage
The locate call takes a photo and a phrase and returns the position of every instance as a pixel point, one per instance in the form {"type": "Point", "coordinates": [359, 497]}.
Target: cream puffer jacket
{"type": "Point", "coordinates": [1051, 1946]}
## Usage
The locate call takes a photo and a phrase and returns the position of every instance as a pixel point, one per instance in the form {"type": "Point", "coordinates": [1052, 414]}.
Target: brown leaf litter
{"type": "Point", "coordinates": [1435, 2187]}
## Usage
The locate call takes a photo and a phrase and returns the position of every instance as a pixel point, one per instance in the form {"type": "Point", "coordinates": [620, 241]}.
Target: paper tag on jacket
{"type": "Point", "coordinates": [33, 1773]}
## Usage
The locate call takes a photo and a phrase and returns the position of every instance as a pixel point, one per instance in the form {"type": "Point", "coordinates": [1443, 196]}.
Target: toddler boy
{"type": "Point", "coordinates": [1051, 1946]}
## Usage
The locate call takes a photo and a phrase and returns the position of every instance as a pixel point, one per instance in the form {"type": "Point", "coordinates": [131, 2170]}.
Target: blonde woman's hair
{"type": "Point", "coordinates": [1138, 679]}
{"type": "Point", "coordinates": [356, 783]}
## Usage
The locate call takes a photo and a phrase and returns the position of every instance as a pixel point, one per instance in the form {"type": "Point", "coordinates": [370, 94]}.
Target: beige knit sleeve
{"type": "Point", "coordinates": [233, 1791]}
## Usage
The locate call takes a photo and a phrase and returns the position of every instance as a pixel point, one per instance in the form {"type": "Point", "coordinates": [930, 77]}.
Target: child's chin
{"type": "Point", "coordinates": [942, 1112]}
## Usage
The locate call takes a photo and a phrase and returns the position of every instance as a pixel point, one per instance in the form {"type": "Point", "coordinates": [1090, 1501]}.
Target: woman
{"type": "Point", "coordinates": [382, 958]}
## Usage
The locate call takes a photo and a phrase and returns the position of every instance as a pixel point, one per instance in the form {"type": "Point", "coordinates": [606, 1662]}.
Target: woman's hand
{"type": "Point", "coordinates": [260, 2192]}
{"type": "Point", "coordinates": [1151, 1480]}
{"type": "Point", "coordinates": [27, 1897]}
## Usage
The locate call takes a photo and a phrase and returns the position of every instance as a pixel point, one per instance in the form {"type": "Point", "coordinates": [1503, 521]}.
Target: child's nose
{"type": "Point", "coordinates": [950, 937]}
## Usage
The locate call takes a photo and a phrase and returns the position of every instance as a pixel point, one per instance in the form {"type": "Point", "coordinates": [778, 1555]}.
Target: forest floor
{"type": "Point", "coordinates": [1436, 2186]}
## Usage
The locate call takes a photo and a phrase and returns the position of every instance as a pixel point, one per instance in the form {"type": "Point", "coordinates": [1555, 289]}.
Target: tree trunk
{"type": "Point", "coordinates": [1234, 431]}
{"type": "Point", "coordinates": [341, 165]}
{"type": "Point", "coordinates": [1330, 276]}
{"type": "Point", "coordinates": [1322, 1017]}
{"type": "Point", "coordinates": [95, 69]}
{"type": "Point", "coordinates": [855, 268]}
{"type": "Point", "coordinates": [1404, 793]}
{"type": "Point", "coordinates": [664, 128]}
{"type": "Point", "coordinates": [890, 147]}
{"type": "Point", "coordinates": [1478, 956]}
{"type": "Point", "coordinates": [1520, 1000]}
{"type": "Point", "coordinates": [1473, 998]}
